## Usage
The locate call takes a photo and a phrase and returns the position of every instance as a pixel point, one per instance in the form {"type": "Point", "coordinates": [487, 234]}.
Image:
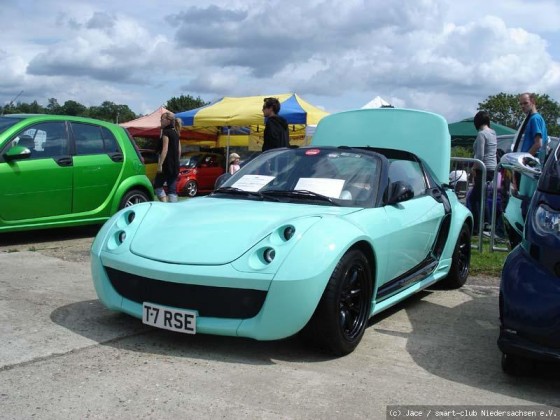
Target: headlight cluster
{"type": "Point", "coordinates": [119, 235]}
{"type": "Point", "coordinates": [269, 253]}
{"type": "Point", "coordinates": [547, 220]}
{"type": "Point", "coordinates": [280, 236]}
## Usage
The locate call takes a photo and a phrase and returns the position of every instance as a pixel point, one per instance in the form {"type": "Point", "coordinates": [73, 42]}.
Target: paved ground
{"type": "Point", "coordinates": [63, 355]}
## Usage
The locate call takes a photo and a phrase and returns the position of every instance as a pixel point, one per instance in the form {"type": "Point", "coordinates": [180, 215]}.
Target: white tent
{"type": "Point", "coordinates": [377, 102]}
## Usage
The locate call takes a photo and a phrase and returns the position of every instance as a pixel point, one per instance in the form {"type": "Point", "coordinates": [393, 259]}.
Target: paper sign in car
{"type": "Point", "coordinates": [252, 183]}
{"type": "Point", "coordinates": [324, 186]}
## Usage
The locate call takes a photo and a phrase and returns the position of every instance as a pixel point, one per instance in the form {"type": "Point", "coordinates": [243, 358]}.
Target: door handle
{"type": "Point", "coordinates": [116, 157]}
{"type": "Point", "coordinates": [64, 161]}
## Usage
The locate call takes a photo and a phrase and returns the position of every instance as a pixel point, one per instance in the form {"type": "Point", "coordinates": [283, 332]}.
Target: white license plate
{"type": "Point", "coordinates": [169, 319]}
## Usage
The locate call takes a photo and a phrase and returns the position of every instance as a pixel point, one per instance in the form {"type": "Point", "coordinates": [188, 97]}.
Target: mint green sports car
{"type": "Point", "coordinates": [58, 171]}
{"type": "Point", "coordinates": [316, 239]}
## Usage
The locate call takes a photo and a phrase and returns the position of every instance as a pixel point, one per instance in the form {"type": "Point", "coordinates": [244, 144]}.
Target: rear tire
{"type": "Point", "coordinates": [515, 365]}
{"type": "Point", "coordinates": [461, 260]}
{"type": "Point", "coordinates": [341, 317]}
{"type": "Point", "coordinates": [133, 197]}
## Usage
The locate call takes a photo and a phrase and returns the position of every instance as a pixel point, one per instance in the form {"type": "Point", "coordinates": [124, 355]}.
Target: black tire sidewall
{"type": "Point", "coordinates": [327, 314]}
{"type": "Point", "coordinates": [130, 194]}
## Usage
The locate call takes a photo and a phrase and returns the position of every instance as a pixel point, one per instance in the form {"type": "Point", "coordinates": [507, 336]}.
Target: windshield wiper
{"type": "Point", "coordinates": [238, 191]}
{"type": "Point", "coordinates": [300, 194]}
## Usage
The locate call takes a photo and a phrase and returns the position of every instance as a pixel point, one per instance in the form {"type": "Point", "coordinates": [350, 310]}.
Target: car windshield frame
{"type": "Point", "coordinates": [346, 177]}
{"type": "Point", "coordinates": [549, 181]}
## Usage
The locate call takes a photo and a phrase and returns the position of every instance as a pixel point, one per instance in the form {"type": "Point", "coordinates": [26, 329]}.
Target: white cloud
{"type": "Point", "coordinates": [438, 55]}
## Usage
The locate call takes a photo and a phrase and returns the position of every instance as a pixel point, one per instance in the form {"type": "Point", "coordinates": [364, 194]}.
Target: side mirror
{"type": "Point", "coordinates": [399, 191]}
{"type": "Point", "coordinates": [524, 163]}
{"type": "Point", "coordinates": [221, 179]}
{"type": "Point", "coordinates": [17, 153]}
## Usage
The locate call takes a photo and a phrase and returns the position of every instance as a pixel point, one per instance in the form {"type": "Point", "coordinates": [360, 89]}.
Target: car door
{"type": "Point", "coordinates": [416, 221]}
{"type": "Point", "coordinates": [208, 170]}
{"type": "Point", "coordinates": [41, 185]}
{"type": "Point", "coordinates": [98, 163]}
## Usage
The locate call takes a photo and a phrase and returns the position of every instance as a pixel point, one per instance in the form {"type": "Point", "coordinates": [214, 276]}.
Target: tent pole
{"type": "Point", "coordinates": [227, 149]}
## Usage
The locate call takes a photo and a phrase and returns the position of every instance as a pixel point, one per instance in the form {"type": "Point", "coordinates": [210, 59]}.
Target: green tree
{"type": "Point", "coordinates": [73, 108]}
{"type": "Point", "coordinates": [184, 103]}
{"type": "Point", "coordinates": [504, 109]}
{"type": "Point", "coordinates": [109, 111]}
{"type": "Point", "coordinates": [32, 108]}
{"type": "Point", "coordinates": [53, 107]}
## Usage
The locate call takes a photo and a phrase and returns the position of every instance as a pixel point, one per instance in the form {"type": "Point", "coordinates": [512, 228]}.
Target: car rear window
{"type": "Point", "coordinates": [7, 122]}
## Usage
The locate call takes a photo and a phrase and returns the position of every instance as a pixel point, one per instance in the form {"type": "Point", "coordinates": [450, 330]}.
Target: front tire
{"type": "Point", "coordinates": [133, 197]}
{"type": "Point", "coordinates": [461, 260]}
{"type": "Point", "coordinates": [340, 319]}
{"type": "Point", "coordinates": [190, 189]}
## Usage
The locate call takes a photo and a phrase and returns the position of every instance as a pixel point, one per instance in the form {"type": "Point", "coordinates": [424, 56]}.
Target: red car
{"type": "Point", "coordinates": [198, 172]}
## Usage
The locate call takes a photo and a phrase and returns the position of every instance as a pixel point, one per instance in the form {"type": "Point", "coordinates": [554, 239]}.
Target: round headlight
{"type": "Point", "coordinates": [269, 255]}
{"type": "Point", "coordinates": [289, 232]}
{"type": "Point", "coordinates": [121, 236]}
{"type": "Point", "coordinates": [130, 217]}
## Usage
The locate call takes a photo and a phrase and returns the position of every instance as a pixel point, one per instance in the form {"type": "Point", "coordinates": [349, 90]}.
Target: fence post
{"type": "Point", "coordinates": [482, 195]}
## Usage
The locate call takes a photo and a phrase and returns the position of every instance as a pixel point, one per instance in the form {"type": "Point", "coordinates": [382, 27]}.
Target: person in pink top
{"type": "Point", "coordinates": [234, 163]}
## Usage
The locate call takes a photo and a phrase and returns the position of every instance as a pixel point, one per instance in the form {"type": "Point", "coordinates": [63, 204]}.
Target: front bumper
{"type": "Point", "coordinates": [243, 305]}
{"type": "Point", "coordinates": [529, 308]}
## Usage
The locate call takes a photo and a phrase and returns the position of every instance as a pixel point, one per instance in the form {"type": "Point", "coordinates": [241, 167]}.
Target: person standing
{"type": "Point", "coordinates": [169, 150]}
{"type": "Point", "coordinates": [535, 137]}
{"type": "Point", "coordinates": [234, 163]}
{"type": "Point", "coordinates": [276, 127]}
{"type": "Point", "coordinates": [485, 148]}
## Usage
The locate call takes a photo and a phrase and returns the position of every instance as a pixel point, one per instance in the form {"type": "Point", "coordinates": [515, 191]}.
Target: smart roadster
{"type": "Point", "coordinates": [316, 239]}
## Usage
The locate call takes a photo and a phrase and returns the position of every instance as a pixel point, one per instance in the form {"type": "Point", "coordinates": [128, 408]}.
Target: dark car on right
{"type": "Point", "coordinates": [530, 284]}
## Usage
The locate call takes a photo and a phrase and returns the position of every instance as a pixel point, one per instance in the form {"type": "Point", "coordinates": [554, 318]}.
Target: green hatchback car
{"type": "Point", "coordinates": [58, 171]}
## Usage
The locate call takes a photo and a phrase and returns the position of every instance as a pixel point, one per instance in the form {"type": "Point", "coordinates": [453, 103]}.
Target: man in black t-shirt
{"type": "Point", "coordinates": [276, 127]}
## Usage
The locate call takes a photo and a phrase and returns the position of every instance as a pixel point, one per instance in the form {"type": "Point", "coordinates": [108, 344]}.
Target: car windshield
{"type": "Point", "coordinates": [549, 181]}
{"type": "Point", "coordinates": [321, 175]}
{"type": "Point", "coordinates": [7, 122]}
{"type": "Point", "coordinates": [190, 161]}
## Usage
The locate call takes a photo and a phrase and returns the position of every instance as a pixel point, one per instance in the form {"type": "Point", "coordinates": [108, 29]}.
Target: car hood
{"type": "Point", "coordinates": [214, 231]}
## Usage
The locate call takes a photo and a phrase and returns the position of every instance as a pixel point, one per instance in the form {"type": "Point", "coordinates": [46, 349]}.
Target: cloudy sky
{"type": "Point", "coordinates": [443, 56]}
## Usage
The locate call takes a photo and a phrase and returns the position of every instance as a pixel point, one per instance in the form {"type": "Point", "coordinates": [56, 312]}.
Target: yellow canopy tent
{"type": "Point", "coordinates": [246, 111]}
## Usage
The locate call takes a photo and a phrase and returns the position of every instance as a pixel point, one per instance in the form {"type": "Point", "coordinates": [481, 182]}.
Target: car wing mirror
{"type": "Point", "coordinates": [17, 153]}
{"type": "Point", "coordinates": [398, 192]}
{"type": "Point", "coordinates": [221, 179]}
{"type": "Point", "coordinates": [524, 163]}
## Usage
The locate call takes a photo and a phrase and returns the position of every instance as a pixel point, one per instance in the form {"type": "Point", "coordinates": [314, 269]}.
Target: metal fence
{"type": "Point", "coordinates": [466, 165]}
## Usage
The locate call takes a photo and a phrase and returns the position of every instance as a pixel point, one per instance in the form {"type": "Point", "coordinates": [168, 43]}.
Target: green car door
{"type": "Point", "coordinates": [98, 163]}
{"type": "Point", "coordinates": [39, 184]}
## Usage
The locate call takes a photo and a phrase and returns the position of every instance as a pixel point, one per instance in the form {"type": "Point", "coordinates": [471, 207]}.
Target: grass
{"type": "Point", "coordinates": [487, 263]}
